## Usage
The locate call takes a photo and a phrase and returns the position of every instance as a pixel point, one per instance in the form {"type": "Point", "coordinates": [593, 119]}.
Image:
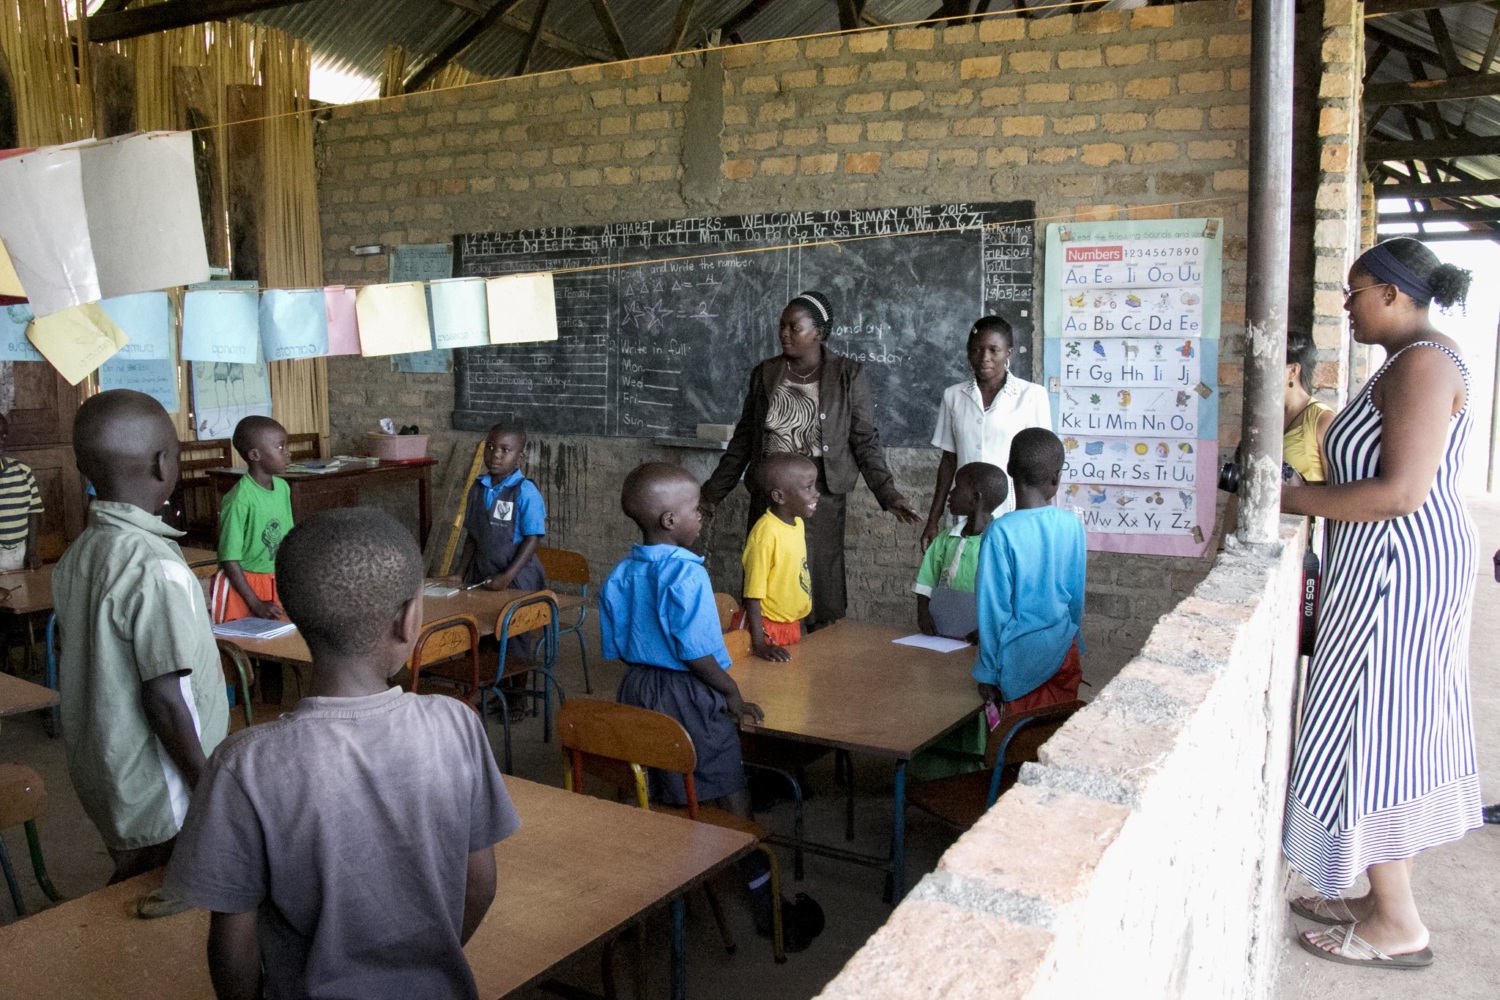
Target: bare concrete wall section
{"type": "Point", "coordinates": [1144, 849]}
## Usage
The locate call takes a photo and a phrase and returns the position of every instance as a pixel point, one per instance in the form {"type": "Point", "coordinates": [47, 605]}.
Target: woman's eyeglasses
{"type": "Point", "coordinates": [1349, 293]}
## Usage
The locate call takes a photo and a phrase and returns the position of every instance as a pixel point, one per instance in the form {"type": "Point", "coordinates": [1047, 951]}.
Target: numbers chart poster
{"type": "Point", "coordinates": [1131, 322]}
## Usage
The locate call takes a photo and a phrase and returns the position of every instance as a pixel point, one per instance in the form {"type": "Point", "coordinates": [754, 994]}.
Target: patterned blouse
{"type": "Point", "coordinates": [792, 420]}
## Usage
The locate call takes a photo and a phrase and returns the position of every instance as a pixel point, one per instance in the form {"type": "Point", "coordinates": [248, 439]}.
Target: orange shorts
{"type": "Point", "coordinates": [1059, 690]}
{"type": "Point", "coordinates": [781, 633]}
{"type": "Point", "coordinates": [226, 604]}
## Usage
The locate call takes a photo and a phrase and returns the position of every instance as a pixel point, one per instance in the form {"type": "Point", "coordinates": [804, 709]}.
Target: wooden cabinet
{"type": "Point", "coordinates": [41, 435]}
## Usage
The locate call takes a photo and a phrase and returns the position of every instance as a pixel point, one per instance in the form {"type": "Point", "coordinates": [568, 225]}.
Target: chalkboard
{"type": "Point", "coordinates": [660, 332]}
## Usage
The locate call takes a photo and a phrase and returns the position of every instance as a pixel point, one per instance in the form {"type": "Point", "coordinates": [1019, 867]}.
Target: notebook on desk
{"type": "Point", "coordinates": [254, 628]}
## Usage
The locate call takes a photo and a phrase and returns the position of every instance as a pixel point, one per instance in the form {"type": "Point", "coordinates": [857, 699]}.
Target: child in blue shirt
{"type": "Point", "coordinates": [505, 519]}
{"type": "Point", "coordinates": [1031, 578]}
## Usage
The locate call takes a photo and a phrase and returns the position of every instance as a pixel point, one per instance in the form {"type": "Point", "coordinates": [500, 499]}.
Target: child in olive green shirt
{"type": "Point", "coordinates": [253, 519]}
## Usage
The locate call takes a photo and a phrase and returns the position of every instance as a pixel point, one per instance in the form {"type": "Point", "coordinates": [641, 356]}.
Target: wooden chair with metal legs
{"type": "Point", "coordinates": [533, 615]}
{"type": "Point", "coordinates": [23, 798]}
{"type": "Point", "coordinates": [447, 653]}
{"type": "Point", "coordinates": [572, 568]}
{"type": "Point", "coordinates": [959, 800]}
{"type": "Point", "coordinates": [240, 675]}
{"type": "Point", "coordinates": [617, 743]}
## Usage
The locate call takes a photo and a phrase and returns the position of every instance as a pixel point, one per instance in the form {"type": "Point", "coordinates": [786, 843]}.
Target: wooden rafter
{"type": "Point", "coordinates": [611, 29]}
{"type": "Point", "coordinates": [849, 11]}
{"type": "Point", "coordinates": [1460, 88]}
{"type": "Point", "coordinates": [150, 19]}
{"type": "Point", "coordinates": [1482, 215]}
{"type": "Point", "coordinates": [456, 45]}
{"type": "Point", "coordinates": [1382, 7]}
{"type": "Point", "coordinates": [535, 35]}
{"type": "Point", "coordinates": [679, 25]}
{"type": "Point", "coordinates": [1440, 149]}
{"type": "Point", "coordinates": [730, 28]}
{"type": "Point", "coordinates": [1449, 189]}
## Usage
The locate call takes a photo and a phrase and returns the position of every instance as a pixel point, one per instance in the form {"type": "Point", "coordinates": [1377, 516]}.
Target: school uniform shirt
{"type": "Point", "coordinates": [775, 562]}
{"type": "Point", "coordinates": [657, 609]}
{"type": "Point", "coordinates": [976, 434]}
{"type": "Point", "coordinates": [357, 866]}
{"type": "Point", "coordinates": [497, 517]}
{"type": "Point", "coordinates": [252, 522]}
{"type": "Point", "coordinates": [19, 499]}
{"type": "Point", "coordinates": [1030, 593]}
{"type": "Point", "coordinates": [128, 611]}
{"type": "Point", "coordinates": [952, 560]}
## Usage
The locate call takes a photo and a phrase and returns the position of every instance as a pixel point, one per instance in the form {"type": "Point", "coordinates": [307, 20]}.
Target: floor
{"type": "Point", "coordinates": [850, 895]}
{"type": "Point", "coordinates": [1456, 884]}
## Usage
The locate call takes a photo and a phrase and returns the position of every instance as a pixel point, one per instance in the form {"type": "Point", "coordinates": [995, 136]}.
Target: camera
{"type": "Point", "coordinates": [1230, 474]}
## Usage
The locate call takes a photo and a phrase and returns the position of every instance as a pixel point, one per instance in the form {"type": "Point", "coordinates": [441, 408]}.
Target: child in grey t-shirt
{"type": "Point", "coordinates": [347, 847]}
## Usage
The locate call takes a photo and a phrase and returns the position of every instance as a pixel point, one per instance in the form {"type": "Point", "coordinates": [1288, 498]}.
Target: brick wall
{"type": "Point", "coordinates": [1093, 116]}
{"type": "Point", "coordinates": [1141, 857]}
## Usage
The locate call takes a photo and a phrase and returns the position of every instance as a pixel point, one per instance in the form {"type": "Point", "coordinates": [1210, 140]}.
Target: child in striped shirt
{"type": "Point", "coordinates": [20, 511]}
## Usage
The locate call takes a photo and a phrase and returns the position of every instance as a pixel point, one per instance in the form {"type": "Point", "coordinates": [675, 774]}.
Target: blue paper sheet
{"type": "Point", "coordinates": [221, 326]}
{"type": "Point", "coordinates": [13, 343]}
{"type": "Point", "coordinates": [157, 379]}
{"type": "Point", "coordinates": [293, 323]}
{"type": "Point", "coordinates": [146, 319]}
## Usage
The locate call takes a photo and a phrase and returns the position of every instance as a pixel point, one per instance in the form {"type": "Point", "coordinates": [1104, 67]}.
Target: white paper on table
{"type": "Point", "coordinates": [392, 319]}
{"type": "Point", "coordinates": [140, 195]}
{"type": "Point", "coordinates": [45, 227]}
{"type": "Point", "coordinates": [460, 313]}
{"type": "Point", "coordinates": [522, 308]}
{"type": "Point", "coordinates": [936, 643]}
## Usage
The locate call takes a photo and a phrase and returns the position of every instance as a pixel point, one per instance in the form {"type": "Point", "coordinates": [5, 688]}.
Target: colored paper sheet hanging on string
{"type": "Point", "coordinates": [293, 323]}
{"type": "Point", "coordinates": [392, 319]}
{"type": "Point", "coordinates": [221, 325]}
{"type": "Point", "coordinates": [157, 379]}
{"type": "Point", "coordinates": [94, 220]}
{"type": "Point", "coordinates": [10, 281]}
{"type": "Point", "coordinates": [460, 313]}
{"type": "Point", "coordinates": [146, 319]}
{"type": "Point", "coordinates": [14, 319]}
{"type": "Point", "coordinates": [522, 308]}
{"type": "Point", "coordinates": [78, 340]}
{"type": "Point", "coordinates": [343, 328]}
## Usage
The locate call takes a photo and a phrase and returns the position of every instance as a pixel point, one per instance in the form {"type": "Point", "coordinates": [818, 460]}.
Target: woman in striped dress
{"type": "Point", "coordinates": [1385, 763]}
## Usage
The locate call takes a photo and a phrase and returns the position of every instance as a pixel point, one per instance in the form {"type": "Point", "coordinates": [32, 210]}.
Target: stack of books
{"type": "Point", "coordinates": [254, 628]}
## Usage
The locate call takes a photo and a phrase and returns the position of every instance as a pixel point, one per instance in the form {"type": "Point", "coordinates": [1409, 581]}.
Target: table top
{"type": "Point", "coordinates": [578, 869]}
{"type": "Point", "coordinates": [17, 696]}
{"type": "Point", "coordinates": [409, 463]}
{"type": "Point", "coordinates": [484, 605]}
{"type": "Point", "coordinates": [849, 686]}
{"type": "Point", "coordinates": [199, 557]}
{"type": "Point", "coordinates": [29, 591]}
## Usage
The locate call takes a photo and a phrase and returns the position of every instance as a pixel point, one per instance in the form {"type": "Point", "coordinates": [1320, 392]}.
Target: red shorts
{"type": "Point", "coordinates": [1059, 690]}
{"type": "Point", "coordinates": [226, 604]}
{"type": "Point", "coordinates": [781, 633]}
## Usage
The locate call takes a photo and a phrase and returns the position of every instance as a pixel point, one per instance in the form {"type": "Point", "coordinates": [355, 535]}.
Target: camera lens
{"type": "Point", "coordinates": [1229, 477]}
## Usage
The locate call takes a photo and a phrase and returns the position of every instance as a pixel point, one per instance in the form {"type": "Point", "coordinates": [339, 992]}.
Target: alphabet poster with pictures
{"type": "Point", "coordinates": [1131, 321]}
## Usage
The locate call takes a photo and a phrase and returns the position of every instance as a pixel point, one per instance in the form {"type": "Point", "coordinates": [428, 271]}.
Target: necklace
{"type": "Point", "coordinates": [806, 376]}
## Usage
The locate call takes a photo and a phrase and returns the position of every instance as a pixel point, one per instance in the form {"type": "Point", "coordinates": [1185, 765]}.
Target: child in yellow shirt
{"type": "Point", "coordinates": [778, 589]}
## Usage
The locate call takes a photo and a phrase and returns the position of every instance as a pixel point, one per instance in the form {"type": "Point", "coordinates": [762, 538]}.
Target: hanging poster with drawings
{"type": "Point", "coordinates": [1131, 321]}
{"type": "Point", "coordinates": [224, 394]}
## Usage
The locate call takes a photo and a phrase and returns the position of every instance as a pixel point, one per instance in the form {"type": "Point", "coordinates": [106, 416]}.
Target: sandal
{"type": "Point", "coordinates": [1351, 949]}
{"type": "Point", "coordinates": [157, 903]}
{"type": "Point", "coordinates": [1323, 911]}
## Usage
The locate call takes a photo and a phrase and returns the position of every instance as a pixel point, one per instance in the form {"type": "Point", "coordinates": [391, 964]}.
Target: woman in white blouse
{"type": "Point", "coordinates": [979, 416]}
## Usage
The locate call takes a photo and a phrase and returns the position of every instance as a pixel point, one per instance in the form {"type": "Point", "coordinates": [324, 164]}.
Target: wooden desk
{"type": "Point", "coordinates": [17, 696]}
{"type": "Point", "coordinates": [313, 492]}
{"type": "Point", "coordinates": [29, 591]}
{"type": "Point", "coordinates": [484, 605]}
{"type": "Point", "coordinates": [578, 870]}
{"type": "Point", "coordinates": [850, 687]}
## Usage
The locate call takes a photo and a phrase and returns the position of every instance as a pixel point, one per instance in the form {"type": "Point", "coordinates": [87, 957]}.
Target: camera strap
{"type": "Point", "coordinates": [1312, 581]}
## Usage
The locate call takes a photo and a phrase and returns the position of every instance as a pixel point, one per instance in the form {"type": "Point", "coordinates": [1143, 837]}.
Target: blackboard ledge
{"type": "Point", "coordinates": [690, 442]}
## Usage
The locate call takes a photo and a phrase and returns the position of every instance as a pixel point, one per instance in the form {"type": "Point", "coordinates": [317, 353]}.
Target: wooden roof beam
{"type": "Point", "coordinates": [1403, 6]}
{"type": "Point", "coordinates": [456, 45]}
{"type": "Point", "coordinates": [679, 26]}
{"type": "Point", "coordinates": [611, 29]}
{"type": "Point", "coordinates": [1450, 189]}
{"type": "Point", "coordinates": [1433, 149]}
{"type": "Point", "coordinates": [151, 19]}
{"type": "Point", "coordinates": [1458, 88]}
{"type": "Point", "coordinates": [1479, 215]}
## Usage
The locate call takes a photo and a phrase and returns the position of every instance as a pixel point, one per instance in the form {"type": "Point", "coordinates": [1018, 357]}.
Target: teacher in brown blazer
{"type": "Point", "coordinates": [812, 402]}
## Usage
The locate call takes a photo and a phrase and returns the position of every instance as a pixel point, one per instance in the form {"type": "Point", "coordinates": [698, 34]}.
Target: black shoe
{"type": "Point", "coordinates": [801, 921]}
{"type": "Point", "coordinates": [1491, 814]}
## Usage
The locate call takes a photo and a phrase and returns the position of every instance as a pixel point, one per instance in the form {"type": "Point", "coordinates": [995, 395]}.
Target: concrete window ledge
{"type": "Point", "coordinates": [1143, 851]}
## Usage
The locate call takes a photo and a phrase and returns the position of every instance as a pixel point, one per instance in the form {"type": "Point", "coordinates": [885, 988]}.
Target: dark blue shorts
{"type": "Point", "coordinates": [700, 709]}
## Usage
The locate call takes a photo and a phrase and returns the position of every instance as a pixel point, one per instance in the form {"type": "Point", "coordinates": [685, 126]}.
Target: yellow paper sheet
{"type": "Point", "coordinates": [10, 282]}
{"type": "Point", "coordinates": [522, 309]}
{"type": "Point", "coordinates": [77, 340]}
{"type": "Point", "coordinates": [392, 319]}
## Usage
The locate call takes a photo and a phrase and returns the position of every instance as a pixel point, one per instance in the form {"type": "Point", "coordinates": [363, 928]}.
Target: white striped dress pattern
{"type": "Point", "coordinates": [1385, 765]}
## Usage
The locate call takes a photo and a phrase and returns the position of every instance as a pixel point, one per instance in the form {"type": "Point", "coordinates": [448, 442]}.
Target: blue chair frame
{"type": "Point", "coordinates": [572, 568]}
{"type": "Point", "coordinates": [544, 659]}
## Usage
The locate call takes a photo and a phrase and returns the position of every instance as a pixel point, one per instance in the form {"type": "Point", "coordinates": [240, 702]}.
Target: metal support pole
{"type": "Point", "coordinates": [1271, 58]}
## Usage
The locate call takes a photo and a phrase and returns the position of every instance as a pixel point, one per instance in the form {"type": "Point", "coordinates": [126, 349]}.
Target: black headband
{"type": "Point", "coordinates": [1379, 263]}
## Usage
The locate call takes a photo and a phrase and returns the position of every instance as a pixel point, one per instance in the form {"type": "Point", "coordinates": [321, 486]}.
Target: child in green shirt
{"type": "Point", "coordinates": [254, 517]}
{"type": "Point", "coordinates": [945, 582]}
